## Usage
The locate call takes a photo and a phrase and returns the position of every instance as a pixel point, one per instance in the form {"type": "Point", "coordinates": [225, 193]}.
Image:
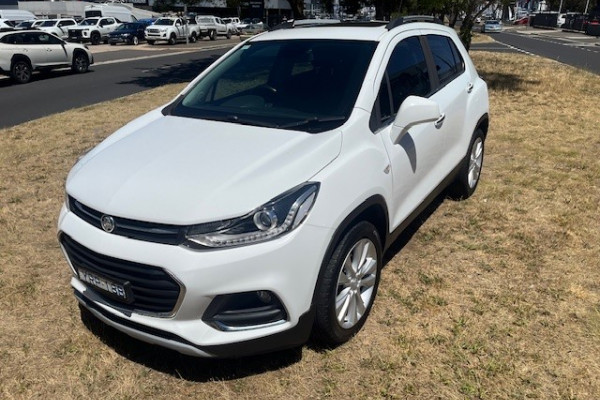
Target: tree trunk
{"type": "Point", "coordinates": [465, 31]}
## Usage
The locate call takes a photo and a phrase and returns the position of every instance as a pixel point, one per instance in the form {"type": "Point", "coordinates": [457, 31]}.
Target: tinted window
{"type": "Point", "coordinates": [45, 38]}
{"type": "Point", "coordinates": [448, 61]}
{"type": "Point", "coordinates": [406, 75]}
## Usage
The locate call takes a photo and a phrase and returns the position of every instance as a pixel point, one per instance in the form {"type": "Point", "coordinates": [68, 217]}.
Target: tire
{"type": "Point", "coordinates": [21, 71]}
{"type": "Point", "coordinates": [228, 35]}
{"type": "Point", "coordinates": [151, 42]}
{"type": "Point", "coordinates": [81, 63]}
{"type": "Point", "coordinates": [212, 35]}
{"type": "Point", "coordinates": [135, 41]}
{"type": "Point", "coordinates": [113, 43]}
{"type": "Point", "coordinates": [172, 39]}
{"type": "Point", "coordinates": [468, 177]}
{"type": "Point", "coordinates": [348, 285]}
{"type": "Point", "coordinates": [193, 38]}
{"type": "Point", "coordinates": [95, 38]}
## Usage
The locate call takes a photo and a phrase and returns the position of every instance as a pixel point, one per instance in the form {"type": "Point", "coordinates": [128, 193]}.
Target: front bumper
{"type": "Point", "coordinates": [288, 267]}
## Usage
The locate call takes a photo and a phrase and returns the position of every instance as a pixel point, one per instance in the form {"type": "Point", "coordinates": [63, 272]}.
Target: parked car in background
{"type": "Point", "coordinates": [58, 27]}
{"type": "Point", "coordinates": [27, 25]}
{"type": "Point", "coordinates": [258, 204]}
{"type": "Point", "coordinates": [128, 33]}
{"type": "Point", "coordinates": [491, 25]}
{"type": "Point", "coordinates": [195, 30]}
{"type": "Point", "coordinates": [215, 26]}
{"type": "Point", "coordinates": [93, 30]}
{"type": "Point", "coordinates": [234, 22]}
{"type": "Point", "coordinates": [6, 25]}
{"type": "Point", "coordinates": [168, 29]}
{"type": "Point", "coordinates": [22, 52]}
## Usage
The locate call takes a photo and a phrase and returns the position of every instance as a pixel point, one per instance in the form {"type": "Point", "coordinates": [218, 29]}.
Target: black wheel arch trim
{"type": "Point", "coordinates": [375, 203]}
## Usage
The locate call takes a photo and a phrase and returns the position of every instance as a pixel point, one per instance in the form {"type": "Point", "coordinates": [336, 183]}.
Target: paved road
{"type": "Point", "coordinates": [570, 48]}
{"type": "Point", "coordinates": [118, 71]}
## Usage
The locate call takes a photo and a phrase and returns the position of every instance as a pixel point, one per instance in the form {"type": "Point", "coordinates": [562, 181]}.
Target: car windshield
{"type": "Point", "coordinates": [309, 85]}
{"type": "Point", "coordinates": [89, 22]}
{"type": "Point", "coordinates": [24, 24]}
{"type": "Point", "coordinates": [493, 22]}
{"type": "Point", "coordinates": [49, 23]}
{"type": "Point", "coordinates": [163, 21]}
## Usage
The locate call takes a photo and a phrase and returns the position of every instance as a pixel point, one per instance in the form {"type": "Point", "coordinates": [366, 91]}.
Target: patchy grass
{"type": "Point", "coordinates": [497, 297]}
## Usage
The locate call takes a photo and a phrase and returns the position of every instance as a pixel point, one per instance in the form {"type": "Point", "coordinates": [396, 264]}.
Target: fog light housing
{"type": "Point", "coordinates": [244, 311]}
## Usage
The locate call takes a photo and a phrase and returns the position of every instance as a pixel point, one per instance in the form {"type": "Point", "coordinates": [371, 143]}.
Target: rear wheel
{"type": "Point", "coordinates": [212, 35]}
{"type": "Point", "coordinates": [80, 63]}
{"type": "Point", "coordinates": [193, 38]}
{"type": "Point", "coordinates": [21, 71]}
{"type": "Point", "coordinates": [470, 171]}
{"type": "Point", "coordinates": [348, 285]}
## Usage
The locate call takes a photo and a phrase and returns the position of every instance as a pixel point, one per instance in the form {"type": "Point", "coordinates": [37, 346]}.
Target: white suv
{"type": "Point", "coordinates": [256, 207]}
{"type": "Point", "coordinates": [22, 52]}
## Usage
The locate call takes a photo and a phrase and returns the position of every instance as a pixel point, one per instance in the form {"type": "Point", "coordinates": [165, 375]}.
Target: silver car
{"type": "Point", "coordinates": [491, 25]}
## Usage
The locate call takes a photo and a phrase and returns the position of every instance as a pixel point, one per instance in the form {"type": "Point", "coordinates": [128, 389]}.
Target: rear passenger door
{"type": "Point", "coordinates": [452, 91]}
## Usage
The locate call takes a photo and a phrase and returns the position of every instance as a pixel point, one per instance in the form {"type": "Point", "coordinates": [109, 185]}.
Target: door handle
{"type": "Point", "coordinates": [469, 87]}
{"type": "Point", "coordinates": [440, 121]}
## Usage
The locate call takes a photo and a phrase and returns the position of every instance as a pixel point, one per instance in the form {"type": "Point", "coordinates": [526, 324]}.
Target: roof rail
{"type": "Point", "coordinates": [411, 18]}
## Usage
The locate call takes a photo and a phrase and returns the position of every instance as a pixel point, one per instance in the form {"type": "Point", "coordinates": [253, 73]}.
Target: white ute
{"type": "Point", "coordinates": [256, 207]}
{"type": "Point", "coordinates": [94, 30]}
{"type": "Point", "coordinates": [169, 29]}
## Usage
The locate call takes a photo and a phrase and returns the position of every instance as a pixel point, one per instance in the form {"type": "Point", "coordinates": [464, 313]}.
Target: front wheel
{"type": "Point", "coordinates": [470, 171]}
{"type": "Point", "coordinates": [228, 35]}
{"type": "Point", "coordinates": [135, 41]}
{"type": "Point", "coordinates": [212, 35]}
{"type": "Point", "coordinates": [172, 40]}
{"type": "Point", "coordinates": [348, 285]}
{"type": "Point", "coordinates": [95, 38]}
{"type": "Point", "coordinates": [151, 42]}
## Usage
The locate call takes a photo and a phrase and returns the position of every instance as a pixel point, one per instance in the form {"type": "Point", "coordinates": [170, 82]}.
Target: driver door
{"type": "Point", "coordinates": [55, 53]}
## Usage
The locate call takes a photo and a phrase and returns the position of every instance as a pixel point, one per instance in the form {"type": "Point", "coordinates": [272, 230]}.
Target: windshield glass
{"type": "Point", "coordinates": [49, 23]}
{"type": "Point", "coordinates": [163, 21]}
{"type": "Point", "coordinates": [89, 22]}
{"type": "Point", "coordinates": [308, 85]}
{"type": "Point", "coordinates": [24, 24]}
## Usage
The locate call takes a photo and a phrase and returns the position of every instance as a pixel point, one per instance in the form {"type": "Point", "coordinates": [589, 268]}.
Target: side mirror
{"type": "Point", "coordinates": [413, 111]}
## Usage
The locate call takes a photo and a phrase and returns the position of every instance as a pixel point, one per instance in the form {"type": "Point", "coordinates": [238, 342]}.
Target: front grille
{"type": "Point", "coordinates": [140, 230]}
{"type": "Point", "coordinates": [152, 30]}
{"type": "Point", "coordinates": [154, 290]}
{"type": "Point", "coordinates": [74, 33]}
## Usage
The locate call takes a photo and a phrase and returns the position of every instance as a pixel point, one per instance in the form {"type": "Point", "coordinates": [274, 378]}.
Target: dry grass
{"type": "Point", "coordinates": [497, 297]}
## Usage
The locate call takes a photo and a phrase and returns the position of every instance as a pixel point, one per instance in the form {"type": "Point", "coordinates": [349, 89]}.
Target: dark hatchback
{"type": "Point", "coordinates": [129, 33]}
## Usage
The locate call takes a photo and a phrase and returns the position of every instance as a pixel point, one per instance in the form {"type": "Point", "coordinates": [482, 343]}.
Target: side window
{"type": "Point", "coordinates": [406, 74]}
{"type": "Point", "coordinates": [448, 62]}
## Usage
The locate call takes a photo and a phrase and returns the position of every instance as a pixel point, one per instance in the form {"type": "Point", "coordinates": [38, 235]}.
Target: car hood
{"type": "Point", "coordinates": [183, 171]}
{"type": "Point", "coordinates": [122, 32]}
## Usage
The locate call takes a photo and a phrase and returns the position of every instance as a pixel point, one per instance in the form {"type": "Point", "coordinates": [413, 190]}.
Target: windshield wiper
{"type": "Point", "coordinates": [248, 121]}
{"type": "Point", "coordinates": [312, 120]}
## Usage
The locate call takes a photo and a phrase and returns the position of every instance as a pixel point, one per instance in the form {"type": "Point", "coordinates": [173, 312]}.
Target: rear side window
{"type": "Point", "coordinates": [448, 61]}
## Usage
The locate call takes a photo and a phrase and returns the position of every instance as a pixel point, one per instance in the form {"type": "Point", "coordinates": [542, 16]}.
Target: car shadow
{"type": "Point", "coordinates": [39, 76]}
{"type": "Point", "coordinates": [171, 73]}
{"type": "Point", "coordinates": [181, 366]}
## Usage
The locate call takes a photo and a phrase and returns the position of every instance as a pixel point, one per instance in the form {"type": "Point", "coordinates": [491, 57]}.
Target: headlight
{"type": "Point", "coordinates": [277, 217]}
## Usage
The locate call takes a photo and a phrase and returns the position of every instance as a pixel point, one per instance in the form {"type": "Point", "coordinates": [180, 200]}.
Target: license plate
{"type": "Point", "coordinates": [114, 289]}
